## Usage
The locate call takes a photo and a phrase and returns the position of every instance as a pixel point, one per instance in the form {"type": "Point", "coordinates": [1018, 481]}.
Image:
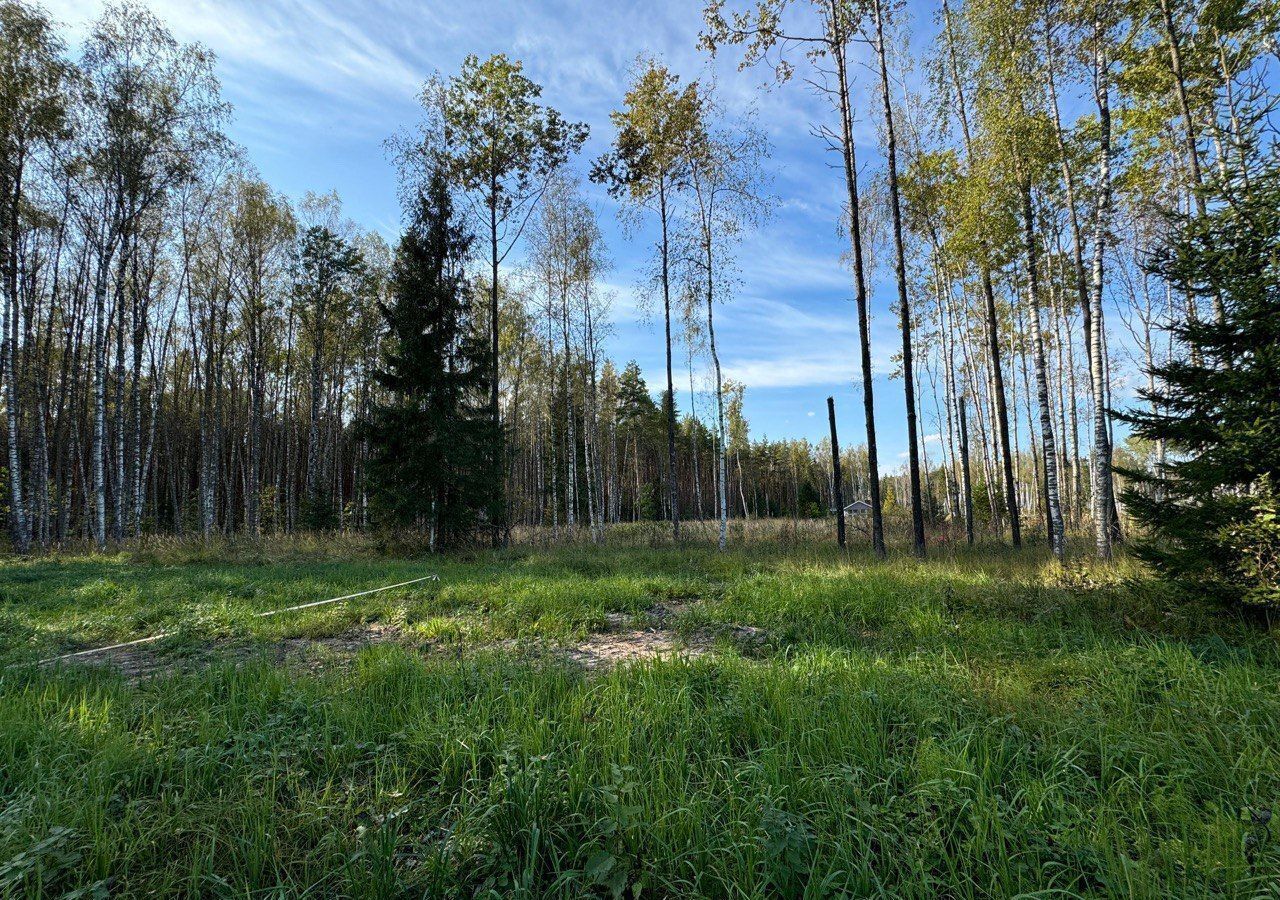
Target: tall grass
{"type": "Point", "coordinates": [978, 725]}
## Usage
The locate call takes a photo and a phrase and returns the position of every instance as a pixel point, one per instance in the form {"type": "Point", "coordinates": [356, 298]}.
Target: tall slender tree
{"type": "Point", "coordinates": [566, 260]}
{"type": "Point", "coordinates": [499, 145]}
{"type": "Point", "coordinates": [951, 65]}
{"type": "Point", "coordinates": [1103, 497]}
{"type": "Point", "coordinates": [262, 231]}
{"type": "Point", "coordinates": [152, 121]}
{"type": "Point", "coordinates": [1017, 133]}
{"type": "Point", "coordinates": [878, 18]}
{"type": "Point", "coordinates": [727, 189]}
{"type": "Point", "coordinates": [326, 270]}
{"type": "Point", "coordinates": [33, 117]}
{"type": "Point", "coordinates": [763, 28]}
{"type": "Point", "coordinates": [658, 130]}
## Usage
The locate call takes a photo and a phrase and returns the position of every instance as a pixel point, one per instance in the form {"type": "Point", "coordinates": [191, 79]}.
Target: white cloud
{"type": "Point", "coordinates": [326, 48]}
{"type": "Point", "coordinates": [781, 372]}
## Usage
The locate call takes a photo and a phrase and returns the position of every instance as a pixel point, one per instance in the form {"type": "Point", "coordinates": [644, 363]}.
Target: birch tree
{"type": "Point", "coordinates": [1018, 134]}
{"type": "Point", "coordinates": [728, 197]}
{"type": "Point", "coordinates": [33, 116]}
{"type": "Point", "coordinates": [879, 16]}
{"type": "Point", "coordinates": [152, 114]}
{"type": "Point", "coordinates": [767, 27]}
{"type": "Point", "coordinates": [658, 129]}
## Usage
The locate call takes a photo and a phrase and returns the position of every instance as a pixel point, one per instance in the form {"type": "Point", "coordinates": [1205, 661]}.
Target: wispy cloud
{"type": "Point", "coordinates": [328, 48]}
{"type": "Point", "coordinates": [777, 373]}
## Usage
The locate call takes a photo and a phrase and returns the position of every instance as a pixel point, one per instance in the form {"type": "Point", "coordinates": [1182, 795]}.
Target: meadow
{"type": "Point", "coordinates": [818, 724]}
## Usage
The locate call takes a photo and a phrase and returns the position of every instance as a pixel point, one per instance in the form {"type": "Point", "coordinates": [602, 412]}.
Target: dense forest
{"type": "Point", "coordinates": [185, 350]}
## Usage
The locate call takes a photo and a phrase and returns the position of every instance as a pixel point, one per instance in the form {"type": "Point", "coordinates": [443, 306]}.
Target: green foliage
{"type": "Point", "coordinates": [489, 134]}
{"type": "Point", "coordinates": [637, 413]}
{"type": "Point", "coordinates": [809, 502]}
{"type": "Point", "coordinates": [326, 280]}
{"type": "Point", "coordinates": [660, 129]}
{"type": "Point", "coordinates": [32, 91]}
{"type": "Point", "coordinates": [157, 113]}
{"type": "Point", "coordinates": [647, 504]}
{"type": "Point", "coordinates": [327, 269]}
{"type": "Point", "coordinates": [1254, 541]}
{"type": "Point", "coordinates": [430, 464]}
{"type": "Point", "coordinates": [1218, 410]}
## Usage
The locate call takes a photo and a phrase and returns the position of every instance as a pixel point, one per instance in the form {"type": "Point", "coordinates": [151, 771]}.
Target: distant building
{"type": "Point", "coordinates": [857, 508]}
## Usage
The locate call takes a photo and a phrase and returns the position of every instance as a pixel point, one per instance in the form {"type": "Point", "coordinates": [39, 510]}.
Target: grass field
{"type": "Point", "coordinates": [977, 725]}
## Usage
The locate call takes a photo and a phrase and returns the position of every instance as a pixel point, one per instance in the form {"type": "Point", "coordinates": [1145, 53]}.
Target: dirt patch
{"type": "Point", "coordinates": [621, 644]}
{"type": "Point", "coordinates": [625, 639]}
{"type": "Point", "coordinates": [134, 663]}
{"type": "Point", "coordinates": [147, 660]}
{"type": "Point", "coordinates": [315, 654]}
{"type": "Point", "coordinates": [604, 651]}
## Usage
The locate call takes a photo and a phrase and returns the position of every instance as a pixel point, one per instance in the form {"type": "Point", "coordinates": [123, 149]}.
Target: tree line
{"type": "Point", "coordinates": [185, 350]}
{"type": "Point", "coordinates": [1026, 187]}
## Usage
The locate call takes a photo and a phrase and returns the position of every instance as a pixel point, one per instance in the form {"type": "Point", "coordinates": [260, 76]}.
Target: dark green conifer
{"type": "Point", "coordinates": [431, 438]}
{"type": "Point", "coordinates": [1211, 512]}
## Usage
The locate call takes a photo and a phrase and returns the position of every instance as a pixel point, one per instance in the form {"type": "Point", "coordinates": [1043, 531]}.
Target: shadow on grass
{"type": "Point", "coordinates": [823, 773]}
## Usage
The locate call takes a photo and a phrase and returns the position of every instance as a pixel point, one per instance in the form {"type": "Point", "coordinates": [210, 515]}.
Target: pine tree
{"type": "Point", "coordinates": [1211, 510]}
{"type": "Point", "coordinates": [636, 409]}
{"type": "Point", "coordinates": [430, 465]}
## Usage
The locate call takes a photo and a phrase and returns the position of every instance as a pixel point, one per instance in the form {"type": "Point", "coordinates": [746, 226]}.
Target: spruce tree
{"type": "Point", "coordinates": [1211, 511]}
{"type": "Point", "coordinates": [431, 463]}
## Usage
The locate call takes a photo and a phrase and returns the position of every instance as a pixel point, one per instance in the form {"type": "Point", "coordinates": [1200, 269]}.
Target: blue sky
{"type": "Point", "coordinates": [318, 85]}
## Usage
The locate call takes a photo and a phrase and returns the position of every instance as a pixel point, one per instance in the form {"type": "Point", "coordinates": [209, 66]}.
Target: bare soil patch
{"type": "Point", "coordinates": [315, 654]}
{"type": "Point", "coordinates": [609, 649]}
{"type": "Point", "coordinates": [622, 641]}
{"type": "Point", "coordinates": [621, 644]}
{"type": "Point", "coordinates": [146, 660]}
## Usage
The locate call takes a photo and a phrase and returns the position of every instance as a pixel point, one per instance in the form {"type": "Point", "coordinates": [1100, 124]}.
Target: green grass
{"type": "Point", "coordinates": [976, 725]}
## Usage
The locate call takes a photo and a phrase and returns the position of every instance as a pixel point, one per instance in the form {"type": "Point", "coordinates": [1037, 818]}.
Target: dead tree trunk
{"type": "Point", "coordinates": [837, 480]}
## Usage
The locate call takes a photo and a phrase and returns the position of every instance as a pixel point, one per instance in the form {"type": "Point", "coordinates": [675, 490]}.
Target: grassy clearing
{"type": "Point", "coordinates": [977, 725]}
